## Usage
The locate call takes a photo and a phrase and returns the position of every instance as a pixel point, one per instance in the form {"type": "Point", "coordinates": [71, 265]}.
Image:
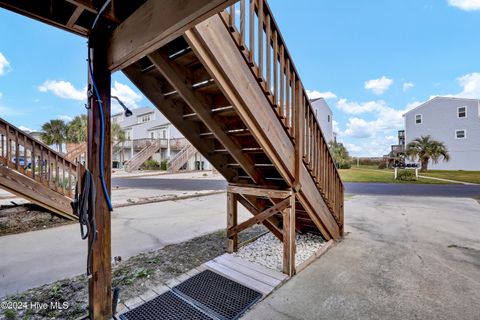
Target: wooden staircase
{"type": "Point", "coordinates": [230, 86]}
{"type": "Point", "coordinates": [143, 155]}
{"type": "Point", "coordinates": [177, 162]}
{"type": "Point", "coordinates": [78, 153]}
{"type": "Point", "coordinates": [34, 171]}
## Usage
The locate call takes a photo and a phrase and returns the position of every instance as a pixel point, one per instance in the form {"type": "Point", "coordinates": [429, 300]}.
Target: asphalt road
{"type": "Point", "coordinates": [439, 190]}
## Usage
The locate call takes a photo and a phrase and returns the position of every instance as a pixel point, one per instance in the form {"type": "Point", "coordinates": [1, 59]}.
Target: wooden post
{"type": "Point", "coordinates": [100, 283]}
{"type": "Point", "coordinates": [289, 241]}
{"type": "Point", "coordinates": [232, 221]}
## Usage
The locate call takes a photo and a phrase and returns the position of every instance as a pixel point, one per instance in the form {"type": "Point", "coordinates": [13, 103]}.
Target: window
{"type": "Point", "coordinates": [328, 118]}
{"type": "Point", "coordinates": [164, 134]}
{"type": "Point", "coordinates": [461, 134]}
{"type": "Point", "coordinates": [144, 118]}
{"type": "Point", "coordinates": [462, 112]}
{"type": "Point", "coordinates": [418, 118]}
{"type": "Point", "coordinates": [128, 134]}
{"type": "Point", "coordinates": [152, 135]}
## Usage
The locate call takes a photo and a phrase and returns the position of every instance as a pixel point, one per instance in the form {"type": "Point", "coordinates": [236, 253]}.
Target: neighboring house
{"type": "Point", "coordinates": [325, 117]}
{"type": "Point", "coordinates": [144, 126]}
{"type": "Point", "coordinates": [453, 121]}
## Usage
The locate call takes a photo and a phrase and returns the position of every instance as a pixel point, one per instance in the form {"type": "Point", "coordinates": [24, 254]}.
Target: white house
{"type": "Point", "coordinates": [325, 117]}
{"type": "Point", "coordinates": [147, 124]}
{"type": "Point", "coordinates": [453, 121]}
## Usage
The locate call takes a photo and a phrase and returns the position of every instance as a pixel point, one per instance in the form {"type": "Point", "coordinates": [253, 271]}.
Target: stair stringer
{"type": "Point", "coordinates": [214, 46]}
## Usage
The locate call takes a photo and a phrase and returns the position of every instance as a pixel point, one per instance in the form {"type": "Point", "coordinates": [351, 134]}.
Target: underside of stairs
{"type": "Point", "coordinates": [204, 83]}
{"type": "Point", "coordinates": [34, 171]}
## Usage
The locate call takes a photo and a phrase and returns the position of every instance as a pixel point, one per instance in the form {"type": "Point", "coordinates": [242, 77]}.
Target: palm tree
{"type": "Point", "coordinates": [425, 148]}
{"type": "Point", "coordinates": [119, 136]}
{"type": "Point", "coordinates": [77, 129]}
{"type": "Point", "coordinates": [54, 132]}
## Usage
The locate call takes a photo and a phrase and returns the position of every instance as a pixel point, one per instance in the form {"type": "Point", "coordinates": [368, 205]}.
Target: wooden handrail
{"type": "Point", "coordinates": [21, 152]}
{"type": "Point", "coordinates": [257, 35]}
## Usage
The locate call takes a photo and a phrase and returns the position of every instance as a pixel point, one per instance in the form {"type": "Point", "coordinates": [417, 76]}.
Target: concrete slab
{"type": "Point", "coordinates": [402, 258]}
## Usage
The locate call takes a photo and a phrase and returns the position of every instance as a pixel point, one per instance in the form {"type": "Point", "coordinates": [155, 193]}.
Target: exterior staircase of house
{"type": "Point", "coordinates": [230, 86]}
{"type": "Point", "coordinates": [77, 153]}
{"type": "Point", "coordinates": [32, 170]}
{"type": "Point", "coordinates": [179, 160]}
{"type": "Point", "coordinates": [143, 155]}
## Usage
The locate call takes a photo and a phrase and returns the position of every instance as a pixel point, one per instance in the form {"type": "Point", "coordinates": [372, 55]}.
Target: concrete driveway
{"type": "Point", "coordinates": [402, 258]}
{"type": "Point", "coordinates": [35, 258]}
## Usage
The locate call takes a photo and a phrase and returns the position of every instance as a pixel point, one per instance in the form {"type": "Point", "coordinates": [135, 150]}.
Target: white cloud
{"type": "Point", "coordinates": [23, 128]}
{"type": "Point", "coordinates": [386, 119]}
{"type": "Point", "coordinates": [336, 128]}
{"type": "Point", "coordinates": [65, 117]}
{"type": "Point", "coordinates": [378, 86]}
{"type": "Point", "coordinates": [6, 112]}
{"type": "Point", "coordinates": [4, 64]}
{"type": "Point", "coordinates": [66, 90]}
{"type": "Point", "coordinates": [314, 94]}
{"type": "Point", "coordinates": [358, 108]}
{"type": "Point", "coordinates": [63, 89]}
{"type": "Point", "coordinates": [126, 94]}
{"type": "Point", "coordinates": [407, 86]}
{"type": "Point", "coordinates": [471, 86]}
{"type": "Point", "coordinates": [467, 5]}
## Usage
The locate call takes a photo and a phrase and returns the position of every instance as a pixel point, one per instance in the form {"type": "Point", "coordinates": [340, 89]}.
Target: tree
{"type": "Point", "coordinates": [77, 129]}
{"type": "Point", "coordinates": [117, 132]}
{"type": "Point", "coordinates": [118, 136]}
{"type": "Point", "coordinates": [340, 154]}
{"type": "Point", "coordinates": [54, 132]}
{"type": "Point", "coordinates": [426, 149]}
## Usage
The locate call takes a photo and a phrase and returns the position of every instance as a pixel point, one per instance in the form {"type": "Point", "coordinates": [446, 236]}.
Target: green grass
{"type": "Point", "coordinates": [465, 176]}
{"type": "Point", "coordinates": [369, 174]}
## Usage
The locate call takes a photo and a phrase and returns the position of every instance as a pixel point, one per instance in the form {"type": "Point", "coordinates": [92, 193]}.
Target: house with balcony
{"type": "Point", "coordinates": [149, 135]}
{"type": "Point", "coordinates": [453, 121]}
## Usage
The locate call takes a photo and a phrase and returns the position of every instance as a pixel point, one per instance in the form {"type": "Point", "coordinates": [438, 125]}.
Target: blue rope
{"type": "Point", "coordinates": [102, 135]}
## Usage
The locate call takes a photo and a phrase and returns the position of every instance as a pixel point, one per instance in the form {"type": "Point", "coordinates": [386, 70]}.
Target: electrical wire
{"type": "Point", "coordinates": [102, 133]}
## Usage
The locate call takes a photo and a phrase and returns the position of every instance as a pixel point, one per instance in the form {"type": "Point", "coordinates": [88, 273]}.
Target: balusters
{"type": "Point", "coordinates": [242, 23]}
{"type": "Point", "coordinates": [17, 151]}
{"type": "Point", "coordinates": [252, 33]}
{"type": "Point", "coordinates": [269, 53]}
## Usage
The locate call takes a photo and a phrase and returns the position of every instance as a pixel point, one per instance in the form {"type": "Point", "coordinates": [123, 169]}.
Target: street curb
{"type": "Point", "coordinates": [168, 199]}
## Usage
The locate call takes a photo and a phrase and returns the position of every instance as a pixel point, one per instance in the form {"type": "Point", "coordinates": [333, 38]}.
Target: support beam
{"type": "Point", "coordinates": [259, 218]}
{"type": "Point", "coordinates": [268, 193]}
{"type": "Point", "coordinates": [232, 217]}
{"type": "Point", "coordinates": [267, 223]}
{"type": "Point", "coordinates": [155, 24]}
{"type": "Point", "coordinates": [100, 283]}
{"type": "Point", "coordinates": [289, 241]}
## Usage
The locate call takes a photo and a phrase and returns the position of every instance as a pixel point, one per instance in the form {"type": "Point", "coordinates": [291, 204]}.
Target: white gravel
{"type": "Point", "coordinates": [268, 250]}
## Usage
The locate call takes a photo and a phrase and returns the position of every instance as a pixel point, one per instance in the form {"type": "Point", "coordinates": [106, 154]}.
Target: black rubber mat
{"type": "Point", "coordinates": [167, 306]}
{"type": "Point", "coordinates": [217, 295]}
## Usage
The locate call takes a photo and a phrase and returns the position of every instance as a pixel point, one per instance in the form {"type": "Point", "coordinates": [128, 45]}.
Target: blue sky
{"type": "Point", "coordinates": [372, 59]}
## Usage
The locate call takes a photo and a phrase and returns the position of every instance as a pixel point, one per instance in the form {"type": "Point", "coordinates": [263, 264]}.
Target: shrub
{"type": "Point", "coordinates": [151, 165]}
{"type": "Point", "coordinates": [344, 165]}
{"type": "Point", "coordinates": [406, 175]}
{"type": "Point", "coordinates": [382, 165]}
{"type": "Point", "coordinates": [163, 165]}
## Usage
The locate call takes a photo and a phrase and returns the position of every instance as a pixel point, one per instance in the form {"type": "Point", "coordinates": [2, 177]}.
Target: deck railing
{"type": "Point", "coordinates": [25, 154]}
{"type": "Point", "coordinates": [257, 35]}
